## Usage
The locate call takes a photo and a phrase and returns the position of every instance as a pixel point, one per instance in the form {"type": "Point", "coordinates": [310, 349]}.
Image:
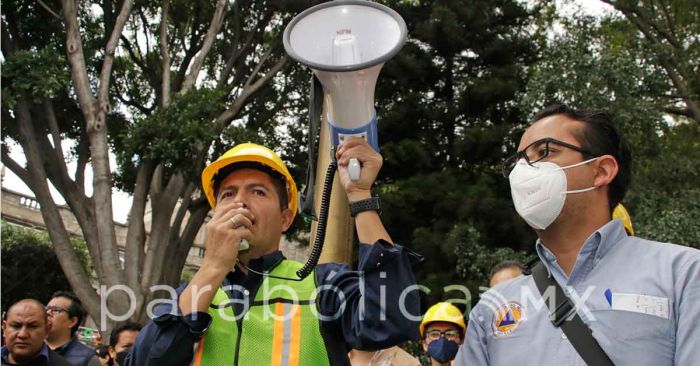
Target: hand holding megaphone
{"type": "Point", "coordinates": [371, 162]}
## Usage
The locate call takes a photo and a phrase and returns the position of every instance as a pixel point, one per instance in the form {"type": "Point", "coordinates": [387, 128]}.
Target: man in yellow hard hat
{"type": "Point", "coordinates": [442, 330]}
{"type": "Point", "coordinates": [246, 305]}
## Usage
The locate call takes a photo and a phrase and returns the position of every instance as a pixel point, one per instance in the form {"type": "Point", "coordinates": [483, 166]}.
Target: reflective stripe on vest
{"type": "Point", "coordinates": [282, 316]}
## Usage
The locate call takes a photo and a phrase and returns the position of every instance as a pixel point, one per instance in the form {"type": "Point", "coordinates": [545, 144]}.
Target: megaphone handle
{"type": "Point", "coordinates": [354, 168]}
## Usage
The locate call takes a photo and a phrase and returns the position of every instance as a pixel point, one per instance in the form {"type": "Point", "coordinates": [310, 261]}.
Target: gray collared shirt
{"type": "Point", "coordinates": [640, 298]}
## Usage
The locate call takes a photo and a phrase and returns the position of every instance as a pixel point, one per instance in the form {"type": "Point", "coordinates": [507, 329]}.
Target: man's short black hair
{"type": "Point", "coordinates": [74, 310]}
{"type": "Point", "coordinates": [600, 136]}
{"type": "Point", "coordinates": [114, 336]}
{"type": "Point", "coordinates": [505, 265]}
{"type": "Point", "coordinates": [278, 180]}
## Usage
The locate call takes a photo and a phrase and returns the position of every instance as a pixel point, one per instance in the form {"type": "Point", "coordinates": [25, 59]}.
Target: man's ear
{"type": "Point", "coordinates": [606, 171]}
{"type": "Point", "coordinates": [287, 219]}
{"type": "Point", "coordinates": [73, 321]}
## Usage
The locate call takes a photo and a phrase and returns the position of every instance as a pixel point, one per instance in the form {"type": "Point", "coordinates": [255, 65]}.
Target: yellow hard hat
{"type": "Point", "coordinates": [443, 312]}
{"type": "Point", "coordinates": [249, 152]}
{"type": "Point", "coordinates": [621, 212]}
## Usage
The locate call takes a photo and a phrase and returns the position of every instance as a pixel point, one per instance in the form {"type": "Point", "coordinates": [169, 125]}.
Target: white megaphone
{"type": "Point", "coordinates": [346, 43]}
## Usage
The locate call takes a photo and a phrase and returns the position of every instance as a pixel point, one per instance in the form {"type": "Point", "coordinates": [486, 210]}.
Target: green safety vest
{"type": "Point", "coordinates": [281, 327]}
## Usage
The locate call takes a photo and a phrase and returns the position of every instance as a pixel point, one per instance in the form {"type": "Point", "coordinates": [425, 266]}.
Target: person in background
{"type": "Point", "coordinates": [102, 352]}
{"type": "Point", "coordinates": [66, 314]}
{"type": "Point", "coordinates": [24, 330]}
{"type": "Point", "coordinates": [442, 330]}
{"type": "Point", "coordinates": [505, 271]}
{"type": "Point", "coordinates": [121, 340]}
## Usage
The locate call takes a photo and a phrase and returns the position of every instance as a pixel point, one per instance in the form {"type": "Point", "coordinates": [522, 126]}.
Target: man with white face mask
{"type": "Point", "coordinates": [640, 300]}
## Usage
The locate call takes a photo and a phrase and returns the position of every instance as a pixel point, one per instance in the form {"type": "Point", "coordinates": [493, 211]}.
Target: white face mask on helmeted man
{"type": "Point", "coordinates": [539, 191]}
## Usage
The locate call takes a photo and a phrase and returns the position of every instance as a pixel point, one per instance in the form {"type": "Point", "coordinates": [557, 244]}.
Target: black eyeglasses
{"type": "Point", "coordinates": [55, 309]}
{"type": "Point", "coordinates": [450, 334]}
{"type": "Point", "coordinates": [537, 151]}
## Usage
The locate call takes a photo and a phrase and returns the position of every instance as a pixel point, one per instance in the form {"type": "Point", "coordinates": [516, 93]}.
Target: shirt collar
{"type": "Point", "coordinates": [600, 243]}
{"type": "Point", "coordinates": [266, 262]}
{"type": "Point", "coordinates": [261, 264]}
{"type": "Point", "coordinates": [610, 234]}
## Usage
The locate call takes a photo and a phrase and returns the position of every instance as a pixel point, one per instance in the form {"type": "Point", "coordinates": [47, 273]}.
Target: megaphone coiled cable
{"type": "Point", "coordinates": [315, 254]}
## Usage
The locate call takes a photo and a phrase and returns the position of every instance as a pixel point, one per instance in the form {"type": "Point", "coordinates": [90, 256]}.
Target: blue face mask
{"type": "Point", "coordinates": [443, 350]}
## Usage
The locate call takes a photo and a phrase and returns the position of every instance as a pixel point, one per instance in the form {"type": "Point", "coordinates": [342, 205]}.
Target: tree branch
{"type": "Point", "coordinates": [214, 28]}
{"type": "Point", "coordinates": [228, 115]}
{"type": "Point", "coordinates": [8, 45]}
{"type": "Point", "coordinates": [191, 50]}
{"type": "Point", "coordinates": [136, 233]}
{"type": "Point", "coordinates": [48, 9]}
{"type": "Point", "coordinates": [133, 55]}
{"type": "Point", "coordinates": [53, 128]}
{"type": "Point", "coordinates": [144, 23]}
{"type": "Point", "coordinates": [257, 67]}
{"type": "Point", "coordinates": [52, 218]}
{"type": "Point", "coordinates": [111, 47]}
{"type": "Point", "coordinates": [181, 247]}
{"type": "Point", "coordinates": [20, 172]}
{"type": "Point", "coordinates": [83, 150]}
{"type": "Point", "coordinates": [637, 12]}
{"type": "Point", "coordinates": [76, 57]}
{"type": "Point", "coordinates": [669, 21]}
{"type": "Point", "coordinates": [240, 50]}
{"type": "Point", "coordinates": [664, 59]}
{"type": "Point", "coordinates": [679, 111]}
{"type": "Point", "coordinates": [160, 227]}
{"type": "Point", "coordinates": [181, 211]}
{"type": "Point", "coordinates": [165, 65]}
{"type": "Point", "coordinates": [56, 171]}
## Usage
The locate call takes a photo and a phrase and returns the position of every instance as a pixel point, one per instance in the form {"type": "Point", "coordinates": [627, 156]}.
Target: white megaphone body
{"type": "Point", "coordinates": [346, 43]}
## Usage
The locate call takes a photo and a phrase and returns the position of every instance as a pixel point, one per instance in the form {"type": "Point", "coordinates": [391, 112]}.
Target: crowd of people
{"type": "Point", "coordinates": [37, 334]}
{"type": "Point", "coordinates": [595, 295]}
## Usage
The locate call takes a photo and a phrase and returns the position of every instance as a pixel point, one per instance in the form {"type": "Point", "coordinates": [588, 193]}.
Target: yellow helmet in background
{"type": "Point", "coordinates": [249, 152]}
{"type": "Point", "coordinates": [443, 312]}
{"type": "Point", "coordinates": [621, 212]}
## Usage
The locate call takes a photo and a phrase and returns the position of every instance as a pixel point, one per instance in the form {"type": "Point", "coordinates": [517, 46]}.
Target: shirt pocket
{"type": "Point", "coordinates": [646, 339]}
{"type": "Point", "coordinates": [630, 325]}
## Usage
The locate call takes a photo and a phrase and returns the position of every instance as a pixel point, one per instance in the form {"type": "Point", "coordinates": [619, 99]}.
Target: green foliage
{"type": "Point", "coordinates": [447, 104]}
{"type": "Point", "coordinates": [173, 135]}
{"type": "Point", "coordinates": [475, 260]}
{"type": "Point", "coordinates": [33, 74]}
{"type": "Point", "coordinates": [665, 199]}
{"type": "Point", "coordinates": [30, 267]}
{"type": "Point", "coordinates": [596, 64]}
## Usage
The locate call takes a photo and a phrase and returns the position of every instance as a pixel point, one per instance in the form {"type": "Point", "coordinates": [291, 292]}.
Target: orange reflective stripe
{"type": "Point", "coordinates": [295, 341]}
{"type": "Point", "coordinates": [278, 335]}
{"type": "Point", "coordinates": [200, 350]}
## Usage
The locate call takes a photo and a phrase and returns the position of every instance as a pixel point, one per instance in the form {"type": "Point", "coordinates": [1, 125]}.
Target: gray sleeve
{"type": "Point", "coordinates": [688, 311]}
{"type": "Point", "coordinates": [94, 361]}
{"type": "Point", "coordinates": [473, 351]}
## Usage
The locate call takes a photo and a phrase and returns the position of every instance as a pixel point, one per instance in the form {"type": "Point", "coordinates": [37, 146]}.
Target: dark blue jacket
{"type": "Point", "coordinates": [77, 353]}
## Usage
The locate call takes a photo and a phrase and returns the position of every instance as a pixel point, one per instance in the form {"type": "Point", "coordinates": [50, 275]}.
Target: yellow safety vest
{"type": "Point", "coordinates": [281, 327]}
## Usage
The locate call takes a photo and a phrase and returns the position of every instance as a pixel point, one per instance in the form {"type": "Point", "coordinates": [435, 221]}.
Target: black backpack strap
{"type": "Point", "coordinates": [578, 333]}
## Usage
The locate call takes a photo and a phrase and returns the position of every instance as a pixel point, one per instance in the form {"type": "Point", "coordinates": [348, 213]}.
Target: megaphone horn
{"type": "Point", "coordinates": [346, 43]}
